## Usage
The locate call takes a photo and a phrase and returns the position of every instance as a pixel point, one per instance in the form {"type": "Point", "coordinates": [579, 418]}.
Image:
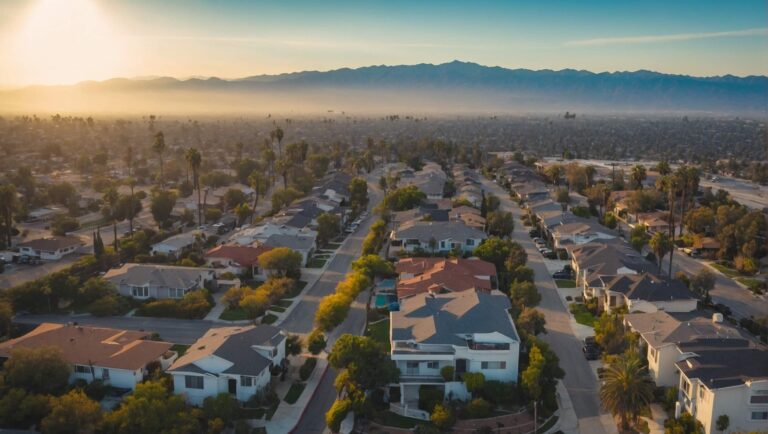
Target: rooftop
{"type": "Point", "coordinates": [243, 255]}
{"type": "Point", "coordinates": [724, 362]}
{"type": "Point", "coordinates": [169, 276]}
{"type": "Point", "coordinates": [440, 274]}
{"type": "Point", "coordinates": [660, 328]}
{"type": "Point", "coordinates": [52, 243]}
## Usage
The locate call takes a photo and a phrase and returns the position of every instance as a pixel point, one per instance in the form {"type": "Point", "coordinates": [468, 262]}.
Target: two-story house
{"type": "Point", "coordinates": [471, 331]}
{"type": "Point", "coordinates": [645, 293]}
{"type": "Point", "coordinates": [661, 332]}
{"type": "Point", "coordinates": [724, 377]}
{"type": "Point", "coordinates": [579, 230]}
{"type": "Point", "coordinates": [144, 281]}
{"type": "Point", "coordinates": [438, 275]}
{"type": "Point", "coordinates": [234, 360]}
{"type": "Point", "coordinates": [118, 358]}
{"type": "Point", "coordinates": [435, 237]}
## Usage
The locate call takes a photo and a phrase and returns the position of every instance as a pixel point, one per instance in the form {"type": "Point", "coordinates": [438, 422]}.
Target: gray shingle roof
{"type": "Point", "coordinates": [158, 275]}
{"type": "Point", "coordinates": [648, 287]}
{"type": "Point", "coordinates": [724, 362]}
{"type": "Point", "coordinates": [660, 328]}
{"type": "Point", "coordinates": [295, 242]}
{"type": "Point", "coordinates": [606, 258]}
{"type": "Point", "coordinates": [441, 318]}
{"type": "Point", "coordinates": [423, 231]}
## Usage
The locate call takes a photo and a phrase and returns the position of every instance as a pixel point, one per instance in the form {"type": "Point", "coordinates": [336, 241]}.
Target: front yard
{"type": "Point", "coordinates": [294, 392]}
{"type": "Point", "coordinates": [565, 283]}
{"type": "Point", "coordinates": [582, 315]}
{"type": "Point", "coordinates": [379, 331]}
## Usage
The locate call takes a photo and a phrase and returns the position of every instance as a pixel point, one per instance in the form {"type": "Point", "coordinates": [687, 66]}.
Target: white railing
{"type": "Point", "coordinates": [408, 412]}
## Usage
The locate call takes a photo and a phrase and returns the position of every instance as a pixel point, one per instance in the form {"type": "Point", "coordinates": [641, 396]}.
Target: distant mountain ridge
{"type": "Point", "coordinates": [502, 88]}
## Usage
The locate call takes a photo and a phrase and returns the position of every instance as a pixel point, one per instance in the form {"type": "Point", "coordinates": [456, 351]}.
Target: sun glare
{"type": "Point", "coordinates": [66, 41]}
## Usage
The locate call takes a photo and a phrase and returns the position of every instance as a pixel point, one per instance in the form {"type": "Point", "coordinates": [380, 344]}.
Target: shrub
{"type": "Point", "coordinates": [106, 306]}
{"type": "Point", "coordinates": [442, 417]}
{"type": "Point", "coordinates": [447, 372]}
{"type": "Point", "coordinates": [474, 381]}
{"type": "Point", "coordinates": [500, 393]}
{"type": "Point", "coordinates": [745, 265]}
{"type": "Point", "coordinates": [222, 406]}
{"type": "Point", "coordinates": [316, 342]}
{"type": "Point", "coordinates": [429, 397]}
{"type": "Point", "coordinates": [306, 369]}
{"type": "Point", "coordinates": [479, 408]}
{"type": "Point", "coordinates": [337, 413]}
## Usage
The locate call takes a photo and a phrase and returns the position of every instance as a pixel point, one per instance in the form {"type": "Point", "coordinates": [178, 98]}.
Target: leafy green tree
{"type": "Point", "coordinates": [255, 303]}
{"type": "Point", "coordinates": [328, 228]}
{"type": "Point", "coordinates": [293, 345]}
{"type": "Point", "coordinates": [282, 262]}
{"type": "Point", "coordinates": [626, 388]}
{"type": "Point", "coordinates": [358, 195]}
{"type": "Point", "coordinates": [20, 408]}
{"type": "Point", "coordinates": [495, 250]}
{"type": "Point", "coordinates": [637, 176]}
{"type": "Point", "coordinates": [72, 413]}
{"type": "Point", "coordinates": [366, 362]}
{"type": "Point", "coordinates": [7, 208]}
{"type": "Point", "coordinates": [685, 424]}
{"type": "Point", "coordinates": [243, 211]}
{"type": "Point", "coordinates": [259, 183]}
{"type": "Point", "coordinates": [500, 223]}
{"type": "Point", "coordinates": [722, 423]}
{"type": "Point", "coordinates": [316, 341]}
{"type": "Point", "coordinates": [474, 381]}
{"type": "Point", "coordinates": [703, 282]}
{"type": "Point", "coordinates": [332, 311]}
{"type": "Point", "coordinates": [610, 333]}
{"type": "Point", "coordinates": [404, 198]}
{"type": "Point", "coordinates": [162, 205]}
{"type": "Point", "coordinates": [223, 406]}
{"type": "Point", "coordinates": [373, 266]}
{"type": "Point", "coordinates": [283, 197]}
{"type": "Point", "coordinates": [337, 413]}
{"type": "Point", "coordinates": [37, 370]}
{"type": "Point", "coordinates": [234, 197]}
{"type": "Point", "coordinates": [524, 294]}
{"type": "Point", "coordinates": [532, 376]}
{"type": "Point", "coordinates": [442, 417]}
{"type": "Point", "coordinates": [531, 321]}
{"type": "Point", "coordinates": [152, 408]}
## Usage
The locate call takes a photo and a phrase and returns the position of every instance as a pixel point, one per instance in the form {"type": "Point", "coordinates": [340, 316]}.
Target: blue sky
{"type": "Point", "coordinates": [235, 38]}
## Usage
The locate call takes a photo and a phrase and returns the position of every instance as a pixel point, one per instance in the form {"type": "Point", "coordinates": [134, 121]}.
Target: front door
{"type": "Point", "coordinates": [461, 366]}
{"type": "Point", "coordinates": [232, 386]}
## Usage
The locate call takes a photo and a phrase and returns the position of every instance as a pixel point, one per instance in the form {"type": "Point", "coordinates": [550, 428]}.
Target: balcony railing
{"type": "Point", "coordinates": [480, 346]}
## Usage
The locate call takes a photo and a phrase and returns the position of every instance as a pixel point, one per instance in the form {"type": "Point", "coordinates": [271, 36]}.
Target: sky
{"type": "Point", "coordinates": [68, 41]}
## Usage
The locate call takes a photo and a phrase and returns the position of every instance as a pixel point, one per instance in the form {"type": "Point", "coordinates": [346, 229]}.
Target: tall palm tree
{"type": "Point", "coordinates": [627, 388]}
{"type": "Point", "coordinates": [672, 184]}
{"type": "Point", "coordinates": [638, 175]}
{"type": "Point", "coordinates": [7, 205]}
{"type": "Point", "coordinates": [689, 184]}
{"type": "Point", "coordinates": [194, 159]}
{"type": "Point", "coordinates": [111, 197]}
{"type": "Point", "coordinates": [159, 148]}
{"type": "Point", "coordinates": [279, 136]}
{"type": "Point", "coordinates": [259, 184]}
{"type": "Point", "coordinates": [660, 245]}
{"type": "Point", "coordinates": [128, 158]}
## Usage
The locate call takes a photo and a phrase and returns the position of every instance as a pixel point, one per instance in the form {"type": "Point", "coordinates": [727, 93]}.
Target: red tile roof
{"type": "Point", "coordinates": [438, 274]}
{"type": "Point", "coordinates": [246, 256]}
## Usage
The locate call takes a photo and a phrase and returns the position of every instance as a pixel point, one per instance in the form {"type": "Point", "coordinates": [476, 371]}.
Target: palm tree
{"type": "Point", "coordinates": [159, 148]}
{"type": "Point", "coordinates": [689, 184]}
{"type": "Point", "coordinates": [672, 183]}
{"type": "Point", "coordinates": [7, 205]}
{"type": "Point", "coordinates": [111, 197]}
{"type": "Point", "coordinates": [194, 159]}
{"type": "Point", "coordinates": [283, 166]}
{"type": "Point", "coordinates": [637, 176]}
{"type": "Point", "coordinates": [660, 245]}
{"type": "Point", "coordinates": [128, 158]}
{"type": "Point", "coordinates": [279, 136]}
{"type": "Point", "coordinates": [627, 388]}
{"type": "Point", "coordinates": [259, 185]}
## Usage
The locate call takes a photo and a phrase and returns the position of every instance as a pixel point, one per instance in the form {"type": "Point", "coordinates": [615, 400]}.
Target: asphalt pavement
{"type": "Point", "coordinates": [580, 380]}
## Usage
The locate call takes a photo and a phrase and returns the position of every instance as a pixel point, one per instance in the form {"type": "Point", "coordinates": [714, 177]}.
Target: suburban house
{"type": "Point", "coordinates": [661, 332]}
{"type": "Point", "coordinates": [655, 221]}
{"type": "Point", "coordinates": [724, 377]}
{"type": "Point", "coordinates": [646, 293]}
{"type": "Point", "coordinates": [423, 212]}
{"type": "Point", "coordinates": [175, 245]}
{"type": "Point", "coordinates": [45, 213]}
{"type": "Point", "coordinates": [440, 275]}
{"type": "Point", "coordinates": [119, 358]}
{"type": "Point", "coordinates": [472, 194]}
{"type": "Point", "coordinates": [144, 281]}
{"type": "Point", "coordinates": [470, 331]}
{"type": "Point", "coordinates": [50, 248]}
{"type": "Point", "coordinates": [234, 360]}
{"type": "Point", "coordinates": [248, 234]}
{"type": "Point", "coordinates": [334, 187]}
{"type": "Point", "coordinates": [435, 236]}
{"type": "Point", "coordinates": [591, 261]}
{"type": "Point", "coordinates": [530, 191]}
{"type": "Point", "coordinates": [580, 230]}
{"type": "Point", "coordinates": [304, 244]}
{"type": "Point", "coordinates": [238, 260]}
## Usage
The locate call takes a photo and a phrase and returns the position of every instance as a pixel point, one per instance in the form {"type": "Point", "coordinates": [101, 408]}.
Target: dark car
{"type": "Point", "coordinates": [533, 233]}
{"type": "Point", "coordinates": [725, 310]}
{"type": "Point", "coordinates": [561, 275]}
{"type": "Point", "coordinates": [591, 352]}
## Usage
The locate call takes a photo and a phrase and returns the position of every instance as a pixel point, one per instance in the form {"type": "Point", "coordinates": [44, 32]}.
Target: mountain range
{"type": "Point", "coordinates": [449, 87]}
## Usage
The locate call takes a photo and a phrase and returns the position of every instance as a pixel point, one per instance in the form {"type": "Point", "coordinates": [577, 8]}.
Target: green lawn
{"type": "Point", "coordinates": [582, 315]}
{"type": "Point", "coordinates": [755, 285]}
{"type": "Point", "coordinates": [392, 419]}
{"type": "Point", "coordinates": [730, 272]}
{"type": "Point", "coordinates": [235, 314]}
{"type": "Point", "coordinates": [294, 393]}
{"type": "Point", "coordinates": [268, 319]}
{"type": "Point", "coordinates": [316, 263]}
{"type": "Point", "coordinates": [284, 303]}
{"type": "Point", "coordinates": [333, 246]}
{"type": "Point", "coordinates": [380, 332]}
{"type": "Point", "coordinates": [275, 308]}
{"type": "Point", "coordinates": [180, 348]}
{"type": "Point", "coordinates": [297, 290]}
{"type": "Point", "coordinates": [565, 283]}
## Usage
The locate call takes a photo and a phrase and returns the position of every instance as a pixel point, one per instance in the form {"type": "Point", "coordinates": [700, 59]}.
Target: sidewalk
{"type": "Point", "coordinates": [656, 421]}
{"type": "Point", "coordinates": [218, 307]}
{"type": "Point", "coordinates": [567, 422]}
{"type": "Point", "coordinates": [287, 415]}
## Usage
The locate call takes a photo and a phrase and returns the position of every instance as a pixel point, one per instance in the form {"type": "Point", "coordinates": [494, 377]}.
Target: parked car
{"type": "Point", "coordinates": [533, 233]}
{"type": "Point", "coordinates": [561, 275]}
{"type": "Point", "coordinates": [550, 255]}
{"type": "Point", "coordinates": [538, 240]}
{"type": "Point", "coordinates": [725, 310]}
{"type": "Point", "coordinates": [590, 348]}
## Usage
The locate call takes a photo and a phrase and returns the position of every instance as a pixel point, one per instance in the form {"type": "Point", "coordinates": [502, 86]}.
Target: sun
{"type": "Point", "coordinates": [65, 42]}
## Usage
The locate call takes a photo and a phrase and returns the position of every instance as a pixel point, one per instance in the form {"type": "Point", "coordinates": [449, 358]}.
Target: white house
{"type": "Point", "coordinates": [437, 236]}
{"type": "Point", "coordinates": [579, 231]}
{"type": "Point", "coordinates": [724, 377]}
{"type": "Point", "coordinates": [173, 246]}
{"type": "Point", "coordinates": [238, 260]}
{"type": "Point", "coordinates": [51, 248]}
{"type": "Point", "coordinates": [144, 281]}
{"type": "Point", "coordinates": [661, 332]}
{"type": "Point", "coordinates": [646, 293]}
{"type": "Point", "coordinates": [470, 331]}
{"type": "Point", "coordinates": [234, 360]}
{"type": "Point", "coordinates": [119, 358]}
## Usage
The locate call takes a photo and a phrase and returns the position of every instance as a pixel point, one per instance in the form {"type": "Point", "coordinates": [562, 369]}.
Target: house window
{"type": "Point", "coordinates": [105, 374]}
{"type": "Point", "coordinates": [83, 369]}
{"type": "Point", "coordinates": [687, 388]}
{"type": "Point", "coordinates": [470, 242]}
{"type": "Point", "coordinates": [412, 365]}
{"type": "Point", "coordinates": [176, 293]}
{"type": "Point", "coordinates": [759, 397]}
{"type": "Point", "coordinates": [433, 365]}
{"type": "Point", "coordinates": [493, 365]}
{"type": "Point", "coordinates": [140, 291]}
{"type": "Point", "coordinates": [246, 381]}
{"type": "Point", "coordinates": [702, 392]}
{"type": "Point", "coordinates": [274, 352]}
{"type": "Point", "coordinates": [193, 382]}
{"type": "Point", "coordinates": [760, 415]}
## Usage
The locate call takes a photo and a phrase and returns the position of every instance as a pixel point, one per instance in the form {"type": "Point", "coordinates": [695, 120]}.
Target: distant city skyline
{"type": "Point", "coordinates": [67, 41]}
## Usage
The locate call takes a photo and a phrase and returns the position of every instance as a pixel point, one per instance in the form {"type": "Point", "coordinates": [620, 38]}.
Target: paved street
{"type": "Point", "coordinates": [580, 381]}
